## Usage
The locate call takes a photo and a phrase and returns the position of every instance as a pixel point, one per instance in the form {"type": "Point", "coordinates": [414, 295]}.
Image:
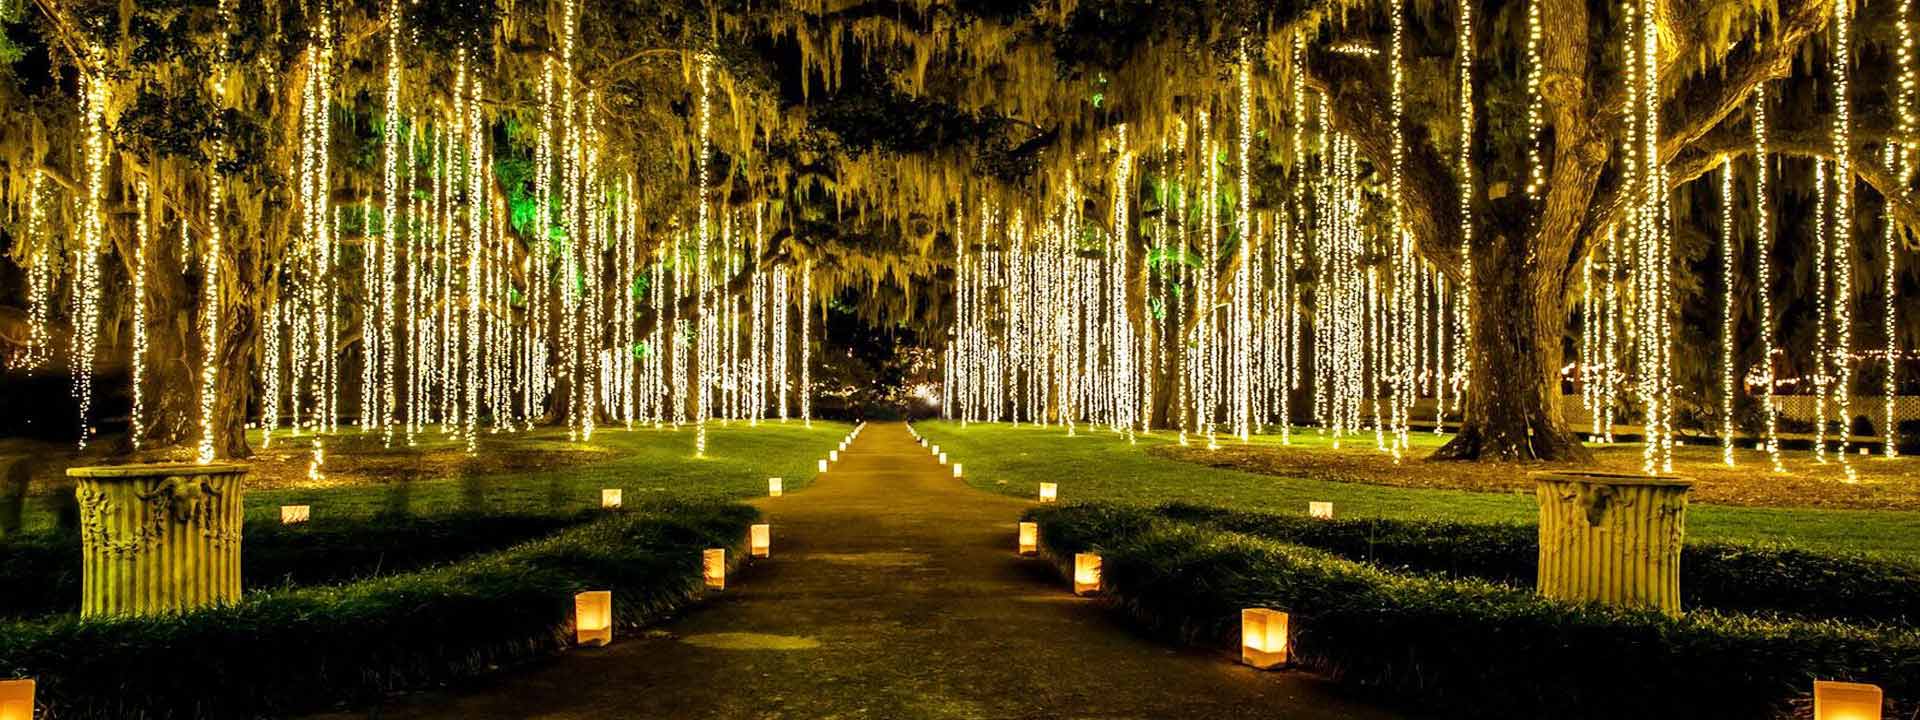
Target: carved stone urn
{"type": "Point", "coordinates": [158, 538]}
{"type": "Point", "coordinates": [1612, 538]}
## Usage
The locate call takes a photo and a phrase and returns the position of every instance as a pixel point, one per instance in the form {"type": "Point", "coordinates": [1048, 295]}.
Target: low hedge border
{"type": "Point", "coordinates": [1468, 647]}
{"type": "Point", "coordinates": [287, 651]}
{"type": "Point", "coordinates": [1729, 577]}
{"type": "Point", "coordinates": [45, 567]}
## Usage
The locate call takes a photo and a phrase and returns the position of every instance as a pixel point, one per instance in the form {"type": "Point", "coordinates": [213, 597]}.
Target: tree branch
{"type": "Point", "coordinates": [1431, 210]}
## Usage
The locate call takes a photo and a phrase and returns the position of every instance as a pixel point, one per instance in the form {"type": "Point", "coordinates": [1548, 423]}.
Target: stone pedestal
{"type": "Point", "coordinates": [1612, 538]}
{"type": "Point", "coordinates": [158, 538]}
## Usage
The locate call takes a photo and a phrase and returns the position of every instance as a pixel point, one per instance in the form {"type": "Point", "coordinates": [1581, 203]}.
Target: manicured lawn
{"type": "Point", "coordinates": [645, 463]}
{"type": "Point", "coordinates": [1100, 465]}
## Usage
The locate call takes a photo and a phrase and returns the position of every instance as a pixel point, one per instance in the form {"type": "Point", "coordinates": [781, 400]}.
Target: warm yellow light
{"type": "Point", "coordinates": [593, 617]}
{"type": "Point", "coordinates": [1049, 492]}
{"type": "Point", "coordinates": [760, 537]}
{"type": "Point", "coordinates": [1845, 701]}
{"type": "Point", "coordinates": [823, 464]}
{"type": "Point", "coordinates": [956, 470]}
{"type": "Point", "coordinates": [935, 450]}
{"type": "Point", "coordinates": [1086, 573]}
{"type": "Point", "coordinates": [833, 455]}
{"type": "Point", "coordinates": [773, 487]}
{"type": "Point", "coordinates": [1029, 538]}
{"type": "Point", "coordinates": [943, 458]}
{"type": "Point", "coordinates": [610, 498]}
{"type": "Point", "coordinates": [295, 514]}
{"type": "Point", "coordinates": [713, 563]}
{"type": "Point", "coordinates": [16, 699]}
{"type": "Point", "coordinates": [923, 441]}
{"type": "Point", "coordinates": [1263, 637]}
{"type": "Point", "coordinates": [1320, 510]}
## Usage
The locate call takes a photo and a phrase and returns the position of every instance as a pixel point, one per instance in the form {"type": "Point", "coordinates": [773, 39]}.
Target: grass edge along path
{"type": "Point", "coordinates": [281, 652]}
{"type": "Point", "coordinates": [1468, 647]}
{"type": "Point", "coordinates": [1097, 465]}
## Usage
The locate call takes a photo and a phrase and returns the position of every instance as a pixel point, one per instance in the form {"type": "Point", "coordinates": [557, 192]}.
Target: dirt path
{"type": "Point", "coordinates": [892, 592]}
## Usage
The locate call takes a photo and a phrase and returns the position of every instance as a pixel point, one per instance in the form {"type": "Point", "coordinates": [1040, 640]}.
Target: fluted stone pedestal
{"type": "Point", "coordinates": [158, 538]}
{"type": "Point", "coordinates": [1612, 538]}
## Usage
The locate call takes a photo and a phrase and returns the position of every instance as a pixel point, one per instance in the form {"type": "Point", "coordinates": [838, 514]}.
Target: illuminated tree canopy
{"type": "Point", "coordinates": [1501, 160]}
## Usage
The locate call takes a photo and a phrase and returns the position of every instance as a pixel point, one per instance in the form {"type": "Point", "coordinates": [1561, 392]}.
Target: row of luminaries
{"type": "Point", "coordinates": [1263, 631]}
{"type": "Point", "coordinates": [593, 609]}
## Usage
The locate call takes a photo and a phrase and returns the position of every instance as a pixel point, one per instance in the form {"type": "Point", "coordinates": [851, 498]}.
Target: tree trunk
{"type": "Point", "coordinates": [1513, 393]}
{"type": "Point", "coordinates": [233, 384]}
{"type": "Point", "coordinates": [171, 391]}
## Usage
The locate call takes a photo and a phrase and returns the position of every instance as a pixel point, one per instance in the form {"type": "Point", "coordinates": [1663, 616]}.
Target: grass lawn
{"type": "Point", "coordinates": [522, 472]}
{"type": "Point", "coordinates": [1100, 465]}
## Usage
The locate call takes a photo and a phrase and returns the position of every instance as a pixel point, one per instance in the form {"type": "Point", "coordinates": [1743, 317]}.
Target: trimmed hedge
{"type": "Point", "coordinates": [45, 567]}
{"type": "Point", "coordinates": [1730, 577]}
{"type": "Point", "coordinates": [287, 651]}
{"type": "Point", "coordinates": [1468, 647]}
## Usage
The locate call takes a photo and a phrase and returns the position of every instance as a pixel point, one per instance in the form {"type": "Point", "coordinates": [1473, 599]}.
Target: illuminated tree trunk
{"type": "Point", "coordinates": [1513, 408]}
{"type": "Point", "coordinates": [170, 415]}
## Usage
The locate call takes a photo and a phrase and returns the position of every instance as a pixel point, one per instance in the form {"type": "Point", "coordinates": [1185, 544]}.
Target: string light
{"type": "Point", "coordinates": [1763, 271]}
{"type": "Point", "coordinates": [390, 222]}
{"type": "Point", "coordinates": [475, 237]}
{"type": "Point", "coordinates": [1652, 242]}
{"type": "Point", "coordinates": [41, 277]}
{"type": "Point", "coordinates": [1841, 60]}
{"type": "Point", "coordinates": [1823, 282]}
{"type": "Point", "coordinates": [1536, 121]}
{"type": "Point", "coordinates": [1589, 342]}
{"type": "Point", "coordinates": [1607, 395]}
{"type": "Point", "coordinates": [568, 132]}
{"type": "Point", "coordinates": [1727, 358]}
{"type": "Point", "coordinates": [706, 316]}
{"type": "Point", "coordinates": [1121, 340]}
{"type": "Point", "coordinates": [136, 429]}
{"type": "Point", "coordinates": [806, 343]}
{"type": "Point", "coordinates": [1242, 277]}
{"type": "Point", "coordinates": [1901, 157]}
{"type": "Point", "coordinates": [1465, 50]}
{"type": "Point", "coordinates": [317, 331]}
{"type": "Point", "coordinates": [86, 295]}
{"type": "Point", "coordinates": [1403, 264]}
{"type": "Point", "coordinates": [1207, 397]}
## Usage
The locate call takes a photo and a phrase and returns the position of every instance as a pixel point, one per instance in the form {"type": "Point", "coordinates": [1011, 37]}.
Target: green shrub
{"type": "Point", "coordinates": [1729, 577]}
{"type": "Point", "coordinates": [46, 566]}
{"type": "Point", "coordinates": [1469, 647]}
{"type": "Point", "coordinates": [286, 651]}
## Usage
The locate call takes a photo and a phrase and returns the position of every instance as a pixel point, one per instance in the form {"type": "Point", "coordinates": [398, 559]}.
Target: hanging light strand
{"type": "Point", "coordinates": [1727, 357]}
{"type": "Point", "coordinates": [136, 420]}
{"type": "Point", "coordinates": [1763, 276]}
{"type": "Point", "coordinates": [86, 289]}
{"type": "Point", "coordinates": [1901, 158]}
{"type": "Point", "coordinates": [1842, 60]}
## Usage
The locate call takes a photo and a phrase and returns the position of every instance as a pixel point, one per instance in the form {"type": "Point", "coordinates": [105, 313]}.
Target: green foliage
{"type": "Point", "coordinates": [1468, 647]}
{"type": "Point", "coordinates": [1161, 257]}
{"type": "Point", "coordinates": [1722, 576]}
{"type": "Point", "coordinates": [287, 652]}
{"type": "Point", "coordinates": [45, 567]}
